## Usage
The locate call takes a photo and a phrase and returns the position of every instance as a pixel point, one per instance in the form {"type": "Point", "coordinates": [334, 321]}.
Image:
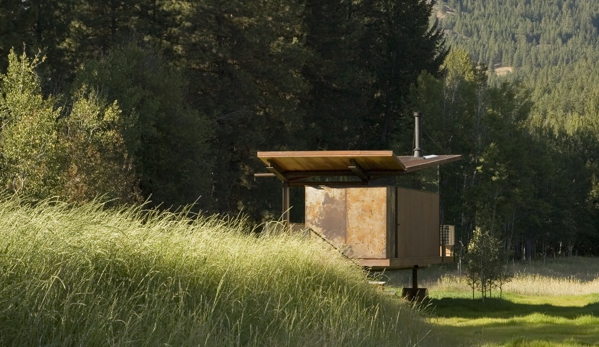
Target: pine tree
{"type": "Point", "coordinates": [165, 138]}
{"type": "Point", "coordinates": [397, 45]}
{"type": "Point", "coordinates": [245, 60]}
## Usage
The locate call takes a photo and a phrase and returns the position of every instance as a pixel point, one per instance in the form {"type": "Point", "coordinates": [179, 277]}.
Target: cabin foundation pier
{"type": "Point", "coordinates": [415, 293]}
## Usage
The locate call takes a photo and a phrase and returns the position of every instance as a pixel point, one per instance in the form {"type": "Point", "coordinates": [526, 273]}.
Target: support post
{"type": "Point", "coordinates": [286, 217]}
{"type": "Point", "coordinates": [415, 293]}
{"type": "Point", "coordinates": [415, 278]}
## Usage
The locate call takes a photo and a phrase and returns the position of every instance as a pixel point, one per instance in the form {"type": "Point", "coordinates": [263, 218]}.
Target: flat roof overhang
{"type": "Point", "coordinates": [302, 168]}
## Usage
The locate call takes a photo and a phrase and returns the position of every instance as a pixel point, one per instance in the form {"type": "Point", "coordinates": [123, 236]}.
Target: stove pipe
{"type": "Point", "coordinates": [417, 135]}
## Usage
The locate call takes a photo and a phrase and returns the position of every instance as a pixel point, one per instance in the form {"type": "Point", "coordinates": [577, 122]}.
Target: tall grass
{"type": "Point", "coordinates": [555, 277]}
{"type": "Point", "coordinates": [566, 276]}
{"type": "Point", "coordinates": [87, 276]}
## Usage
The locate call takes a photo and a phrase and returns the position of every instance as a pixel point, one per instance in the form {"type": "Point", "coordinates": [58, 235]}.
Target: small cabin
{"type": "Point", "coordinates": [353, 201]}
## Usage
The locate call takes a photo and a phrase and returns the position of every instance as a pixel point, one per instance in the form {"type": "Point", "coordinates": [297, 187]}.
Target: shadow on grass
{"type": "Point", "coordinates": [499, 308]}
{"type": "Point", "coordinates": [499, 322]}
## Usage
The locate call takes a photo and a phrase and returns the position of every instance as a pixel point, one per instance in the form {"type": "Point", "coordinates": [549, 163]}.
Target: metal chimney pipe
{"type": "Point", "coordinates": [417, 135]}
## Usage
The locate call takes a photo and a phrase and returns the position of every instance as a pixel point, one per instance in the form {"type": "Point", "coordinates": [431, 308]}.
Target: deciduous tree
{"type": "Point", "coordinates": [31, 154]}
{"type": "Point", "coordinates": [97, 161]}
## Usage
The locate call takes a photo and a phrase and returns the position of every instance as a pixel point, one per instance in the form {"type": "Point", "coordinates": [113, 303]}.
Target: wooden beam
{"type": "Point", "coordinates": [264, 174]}
{"type": "Point", "coordinates": [291, 175]}
{"type": "Point", "coordinates": [358, 170]}
{"type": "Point", "coordinates": [330, 154]}
{"type": "Point", "coordinates": [400, 263]}
{"type": "Point", "coordinates": [336, 184]}
{"type": "Point", "coordinates": [276, 170]}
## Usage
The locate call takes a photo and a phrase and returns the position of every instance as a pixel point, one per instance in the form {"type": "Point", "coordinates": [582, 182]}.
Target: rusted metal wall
{"type": "Point", "coordinates": [325, 212]}
{"type": "Point", "coordinates": [367, 222]}
{"type": "Point", "coordinates": [353, 219]}
{"type": "Point", "coordinates": [377, 222]}
{"type": "Point", "coordinates": [417, 224]}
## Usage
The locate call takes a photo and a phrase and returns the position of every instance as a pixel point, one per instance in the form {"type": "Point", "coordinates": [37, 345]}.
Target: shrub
{"type": "Point", "coordinates": [486, 263]}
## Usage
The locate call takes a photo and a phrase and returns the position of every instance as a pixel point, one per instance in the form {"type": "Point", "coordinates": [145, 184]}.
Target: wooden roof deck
{"type": "Point", "coordinates": [297, 166]}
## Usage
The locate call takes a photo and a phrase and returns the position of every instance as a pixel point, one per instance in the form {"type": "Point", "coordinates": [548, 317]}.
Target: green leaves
{"type": "Point", "coordinates": [77, 156]}
{"type": "Point", "coordinates": [97, 161]}
{"type": "Point", "coordinates": [486, 263]}
{"type": "Point", "coordinates": [31, 157]}
{"type": "Point", "coordinates": [162, 139]}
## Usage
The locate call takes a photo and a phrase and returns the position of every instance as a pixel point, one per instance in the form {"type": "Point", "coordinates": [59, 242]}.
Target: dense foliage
{"type": "Point", "coordinates": [550, 47]}
{"type": "Point", "coordinates": [186, 92]}
{"type": "Point", "coordinates": [170, 101]}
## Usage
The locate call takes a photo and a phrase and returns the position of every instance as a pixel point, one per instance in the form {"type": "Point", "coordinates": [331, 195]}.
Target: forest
{"type": "Point", "coordinates": [548, 51]}
{"type": "Point", "coordinates": [167, 103]}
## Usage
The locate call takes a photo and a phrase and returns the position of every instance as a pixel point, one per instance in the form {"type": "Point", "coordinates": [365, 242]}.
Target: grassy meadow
{"type": "Point", "coordinates": [550, 304]}
{"type": "Point", "coordinates": [90, 276]}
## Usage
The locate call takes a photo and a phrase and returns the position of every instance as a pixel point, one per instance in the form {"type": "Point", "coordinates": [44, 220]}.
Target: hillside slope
{"type": "Point", "coordinates": [90, 277]}
{"type": "Point", "coordinates": [524, 34]}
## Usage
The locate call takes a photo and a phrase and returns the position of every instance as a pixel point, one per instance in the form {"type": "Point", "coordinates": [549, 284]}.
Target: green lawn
{"type": "Point", "coordinates": [518, 320]}
{"type": "Point", "coordinates": [547, 304]}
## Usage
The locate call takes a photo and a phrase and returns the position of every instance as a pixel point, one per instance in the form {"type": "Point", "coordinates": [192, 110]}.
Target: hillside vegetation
{"type": "Point", "coordinates": [525, 34]}
{"type": "Point", "coordinates": [550, 46]}
{"type": "Point", "coordinates": [87, 276]}
{"type": "Point", "coordinates": [519, 99]}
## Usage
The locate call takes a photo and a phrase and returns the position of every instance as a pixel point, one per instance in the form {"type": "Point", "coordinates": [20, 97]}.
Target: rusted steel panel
{"type": "Point", "coordinates": [418, 224]}
{"type": "Point", "coordinates": [353, 219]}
{"type": "Point", "coordinates": [326, 212]}
{"type": "Point", "coordinates": [397, 225]}
{"type": "Point", "coordinates": [367, 222]}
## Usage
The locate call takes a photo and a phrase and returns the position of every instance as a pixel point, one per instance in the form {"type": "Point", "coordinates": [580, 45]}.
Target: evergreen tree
{"type": "Point", "coordinates": [245, 60]}
{"type": "Point", "coordinates": [397, 45]}
{"type": "Point", "coordinates": [165, 138]}
{"type": "Point", "coordinates": [335, 102]}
